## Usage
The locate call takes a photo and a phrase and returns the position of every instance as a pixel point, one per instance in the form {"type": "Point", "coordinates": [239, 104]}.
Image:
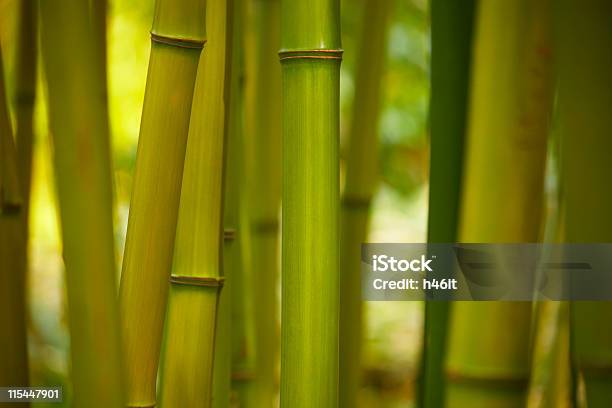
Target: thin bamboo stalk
{"type": "Point", "coordinates": [14, 228]}
{"type": "Point", "coordinates": [82, 166]}
{"type": "Point", "coordinates": [178, 35]}
{"type": "Point", "coordinates": [583, 46]}
{"type": "Point", "coordinates": [25, 94]}
{"type": "Point", "coordinates": [197, 277]}
{"type": "Point", "coordinates": [310, 59]}
{"type": "Point", "coordinates": [10, 190]}
{"type": "Point", "coordinates": [231, 336]}
{"type": "Point", "coordinates": [360, 185]}
{"type": "Point", "coordinates": [510, 106]}
{"type": "Point", "coordinates": [13, 344]}
{"type": "Point", "coordinates": [263, 110]}
{"type": "Point", "coordinates": [451, 38]}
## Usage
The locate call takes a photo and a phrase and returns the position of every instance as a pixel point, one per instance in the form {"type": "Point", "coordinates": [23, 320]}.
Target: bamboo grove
{"type": "Point", "coordinates": [216, 260]}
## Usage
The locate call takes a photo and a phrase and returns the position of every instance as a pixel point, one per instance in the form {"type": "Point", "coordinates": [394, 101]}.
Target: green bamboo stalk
{"type": "Point", "coordinates": [14, 228]}
{"type": "Point", "coordinates": [25, 94]}
{"type": "Point", "coordinates": [451, 45]}
{"type": "Point", "coordinates": [231, 335]}
{"type": "Point", "coordinates": [178, 35]}
{"type": "Point", "coordinates": [310, 58]}
{"type": "Point", "coordinates": [82, 165]}
{"type": "Point", "coordinates": [13, 344]}
{"type": "Point", "coordinates": [197, 278]}
{"type": "Point", "coordinates": [583, 46]}
{"type": "Point", "coordinates": [263, 110]}
{"type": "Point", "coordinates": [361, 180]}
{"type": "Point", "coordinates": [510, 106]}
{"type": "Point", "coordinates": [10, 189]}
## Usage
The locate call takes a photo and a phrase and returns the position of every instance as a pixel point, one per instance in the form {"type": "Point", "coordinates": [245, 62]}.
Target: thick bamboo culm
{"type": "Point", "coordinates": [13, 345]}
{"type": "Point", "coordinates": [583, 47]}
{"type": "Point", "coordinates": [451, 45]}
{"type": "Point", "coordinates": [263, 143]}
{"type": "Point", "coordinates": [177, 38]}
{"type": "Point", "coordinates": [81, 143]}
{"type": "Point", "coordinates": [501, 193]}
{"type": "Point", "coordinates": [197, 278]}
{"type": "Point", "coordinates": [310, 58]}
{"type": "Point", "coordinates": [361, 179]}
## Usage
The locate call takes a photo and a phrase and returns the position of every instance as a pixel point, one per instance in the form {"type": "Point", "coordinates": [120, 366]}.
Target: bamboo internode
{"type": "Point", "coordinates": [310, 265]}
{"type": "Point", "coordinates": [147, 262]}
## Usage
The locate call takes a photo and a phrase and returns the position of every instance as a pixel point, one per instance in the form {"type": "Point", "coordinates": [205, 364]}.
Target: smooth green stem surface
{"type": "Point", "coordinates": [264, 144]}
{"type": "Point", "coordinates": [451, 38]}
{"type": "Point", "coordinates": [360, 185]}
{"type": "Point", "coordinates": [197, 273]}
{"type": "Point", "coordinates": [310, 58]}
{"type": "Point", "coordinates": [583, 51]}
{"type": "Point", "coordinates": [79, 129]}
{"type": "Point", "coordinates": [178, 34]}
{"type": "Point", "coordinates": [502, 191]}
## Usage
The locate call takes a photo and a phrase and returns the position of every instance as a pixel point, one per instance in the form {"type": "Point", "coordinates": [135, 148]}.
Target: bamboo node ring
{"type": "Point", "coordinates": [197, 281]}
{"type": "Point", "coordinates": [311, 54]}
{"type": "Point", "coordinates": [356, 202]}
{"type": "Point", "coordinates": [190, 43]}
{"type": "Point", "coordinates": [229, 234]}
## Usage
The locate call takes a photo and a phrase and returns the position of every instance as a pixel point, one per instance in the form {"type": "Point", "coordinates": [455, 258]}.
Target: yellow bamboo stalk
{"type": "Point", "coordinates": [177, 38]}
{"type": "Point", "coordinates": [510, 105]}
{"type": "Point", "coordinates": [79, 127]}
{"type": "Point", "coordinates": [197, 277]}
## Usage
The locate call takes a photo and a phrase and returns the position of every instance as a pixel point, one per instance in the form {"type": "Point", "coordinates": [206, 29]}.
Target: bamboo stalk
{"type": "Point", "coordinates": [197, 278]}
{"type": "Point", "coordinates": [502, 196]}
{"type": "Point", "coordinates": [13, 344]}
{"type": "Point", "coordinates": [451, 37]}
{"type": "Point", "coordinates": [14, 228]}
{"type": "Point", "coordinates": [583, 46]}
{"type": "Point", "coordinates": [25, 94]}
{"type": "Point", "coordinates": [10, 190]}
{"type": "Point", "coordinates": [178, 35]}
{"type": "Point", "coordinates": [82, 165]}
{"type": "Point", "coordinates": [263, 110]}
{"type": "Point", "coordinates": [310, 59]}
{"type": "Point", "coordinates": [361, 180]}
{"type": "Point", "coordinates": [231, 335]}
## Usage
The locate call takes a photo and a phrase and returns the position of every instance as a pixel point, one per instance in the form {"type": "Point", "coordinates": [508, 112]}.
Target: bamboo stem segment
{"type": "Point", "coordinates": [187, 366]}
{"type": "Point", "coordinates": [451, 38]}
{"type": "Point", "coordinates": [154, 207]}
{"type": "Point", "coordinates": [79, 127]}
{"type": "Point", "coordinates": [310, 253]}
{"type": "Point", "coordinates": [13, 344]}
{"type": "Point", "coordinates": [360, 185]}
{"type": "Point", "coordinates": [583, 51]}
{"type": "Point", "coordinates": [263, 141]}
{"type": "Point", "coordinates": [502, 192]}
